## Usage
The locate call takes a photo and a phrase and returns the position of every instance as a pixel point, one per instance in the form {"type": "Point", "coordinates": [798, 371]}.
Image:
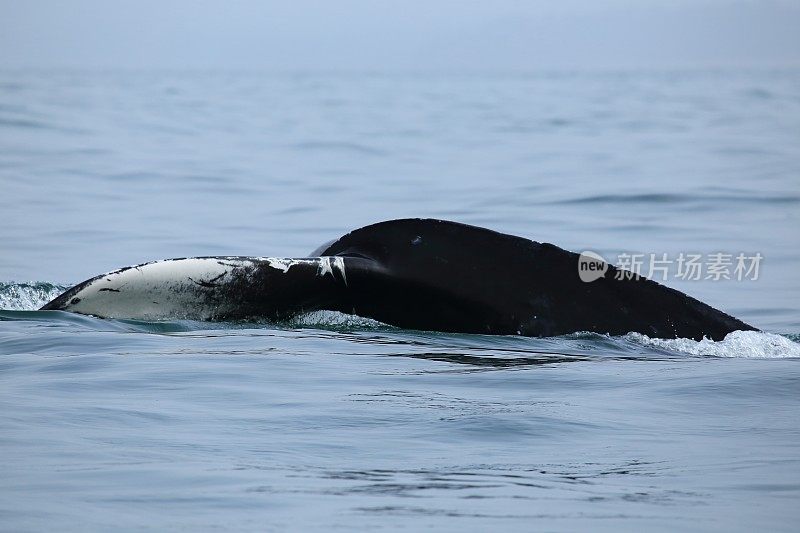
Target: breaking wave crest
{"type": "Point", "coordinates": [27, 296]}
{"type": "Point", "coordinates": [750, 344]}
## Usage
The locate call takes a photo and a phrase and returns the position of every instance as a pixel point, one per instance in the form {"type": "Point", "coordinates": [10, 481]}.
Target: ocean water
{"type": "Point", "coordinates": [334, 422]}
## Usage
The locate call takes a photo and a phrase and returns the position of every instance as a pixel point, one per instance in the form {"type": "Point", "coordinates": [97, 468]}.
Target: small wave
{"type": "Point", "coordinates": [677, 199]}
{"type": "Point", "coordinates": [23, 123]}
{"type": "Point", "coordinates": [335, 320]}
{"type": "Point", "coordinates": [759, 93]}
{"type": "Point", "coordinates": [331, 146]}
{"type": "Point", "coordinates": [27, 296]}
{"type": "Point", "coordinates": [747, 344]}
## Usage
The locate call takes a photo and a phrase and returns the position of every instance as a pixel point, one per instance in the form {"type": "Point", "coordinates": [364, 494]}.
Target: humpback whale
{"type": "Point", "coordinates": [411, 273]}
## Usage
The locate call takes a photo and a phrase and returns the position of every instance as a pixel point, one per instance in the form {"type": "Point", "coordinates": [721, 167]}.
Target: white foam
{"type": "Point", "coordinates": [335, 319]}
{"type": "Point", "coordinates": [752, 344]}
{"type": "Point", "coordinates": [27, 296]}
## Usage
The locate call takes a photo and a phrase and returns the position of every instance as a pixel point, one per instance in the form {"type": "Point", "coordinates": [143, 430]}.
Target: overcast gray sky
{"type": "Point", "coordinates": [399, 35]}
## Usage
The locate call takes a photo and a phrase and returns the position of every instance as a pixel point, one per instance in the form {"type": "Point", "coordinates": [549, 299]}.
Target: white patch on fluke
{"type": "Point", "coordinates": [192, 288]}
{"type": "Point", "coordinates": [279, 263]}
{"type": "Point", "coordinates": [173, 288]}
{"type": "Point", "coordinates": [327, 264]}
{"type": "Point", "coordinates": [753, 344]}
{"type": "Point", "coordinates": [339, 263]}
{"type": "Point", "coordinates": [284, 264]}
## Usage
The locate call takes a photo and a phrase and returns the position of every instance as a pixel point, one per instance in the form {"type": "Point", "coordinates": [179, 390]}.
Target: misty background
{"type": "Point", "coordinates": [409, 35]}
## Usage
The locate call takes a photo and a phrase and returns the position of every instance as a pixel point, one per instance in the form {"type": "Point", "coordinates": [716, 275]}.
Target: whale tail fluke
{"type": "Point", "coordinates": [491, 282]}
{"type": "Point", "coordinates": [412, 273]}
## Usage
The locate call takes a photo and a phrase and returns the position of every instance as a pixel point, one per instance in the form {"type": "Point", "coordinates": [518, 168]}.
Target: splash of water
{"type": "Point", "coordinates": [754, 344]}
{"type": "Point", "coordinates": [335, 320]}
{"type": "Point", "coordinates": [27, 296]}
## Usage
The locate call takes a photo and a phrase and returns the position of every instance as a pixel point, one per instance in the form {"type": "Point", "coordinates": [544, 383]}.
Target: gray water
{"type": "Point", "coordinates": [332, 422]}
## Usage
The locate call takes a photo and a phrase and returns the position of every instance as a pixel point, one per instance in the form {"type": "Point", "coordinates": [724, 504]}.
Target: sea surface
{"type": "Point", "coordinates": [330, 422]}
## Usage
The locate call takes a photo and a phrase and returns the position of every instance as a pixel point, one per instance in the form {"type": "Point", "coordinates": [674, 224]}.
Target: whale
{"type": "Point", "coordinates": [423, 274]}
